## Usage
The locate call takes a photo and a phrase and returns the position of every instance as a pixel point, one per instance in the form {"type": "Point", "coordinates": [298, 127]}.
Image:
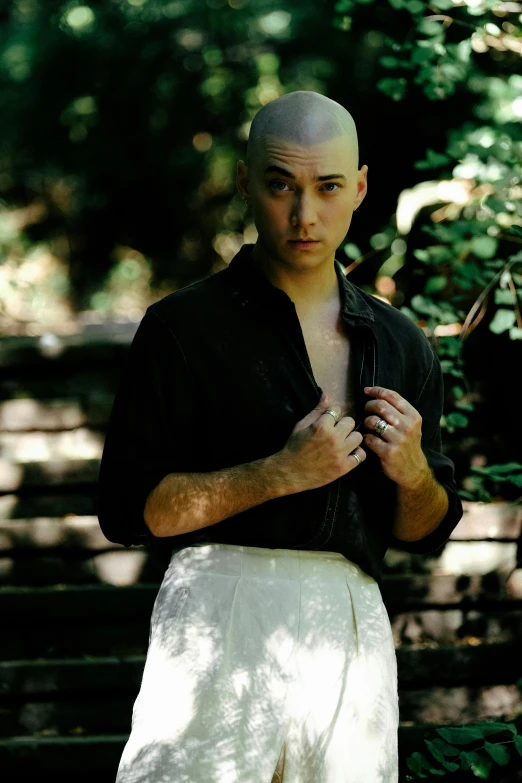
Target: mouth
{"type": "Point", "coordinates": [303, 243]}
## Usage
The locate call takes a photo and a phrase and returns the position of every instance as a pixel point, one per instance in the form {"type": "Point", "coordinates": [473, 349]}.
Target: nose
{"type": "Point", "coordinates": [303, 211]}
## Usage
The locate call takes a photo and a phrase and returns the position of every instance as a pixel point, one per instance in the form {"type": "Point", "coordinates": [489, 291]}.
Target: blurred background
{"type": "Point", "coordinates": [122, 124]}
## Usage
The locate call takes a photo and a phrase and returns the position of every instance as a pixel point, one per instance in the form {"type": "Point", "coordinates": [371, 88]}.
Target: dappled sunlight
{"type": "Point", "coordinates": [19, 415]}
{"type": "Point", "coordinates": [10, 475]}
{"type": "Point", "coordinates": [42, 532]}
{"type": "Point", "coordinates": [119, 568]}
{"type": "Point", "coordinates": [80, 443]}
{"type": "Point", "coordinates": [477, 557]}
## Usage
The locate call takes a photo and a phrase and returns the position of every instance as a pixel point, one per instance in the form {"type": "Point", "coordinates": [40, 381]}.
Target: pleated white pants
{"type": "Point", "coordinates": [265, 666]}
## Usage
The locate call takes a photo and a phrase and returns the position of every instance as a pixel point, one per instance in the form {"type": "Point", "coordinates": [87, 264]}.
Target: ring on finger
{"type": "Point", "coordinates": [381, 427]}
{"type": "Point", "coordinates": [359, 460]}
{"type": "Point", "coordinates": [333, 413]}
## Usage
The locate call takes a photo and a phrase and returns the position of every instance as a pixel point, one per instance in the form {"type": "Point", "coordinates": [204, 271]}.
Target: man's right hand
{"type": "Point", "coordinates": [318, 450]}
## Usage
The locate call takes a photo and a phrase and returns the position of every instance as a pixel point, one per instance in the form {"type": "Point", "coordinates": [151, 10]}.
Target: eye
{"type": "Point", "coordinates": [280, 182]}
{"type": "Point", "coordinates": [275, 182]}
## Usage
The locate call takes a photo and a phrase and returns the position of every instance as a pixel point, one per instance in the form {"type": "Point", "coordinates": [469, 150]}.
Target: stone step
{"type": "Point", "coordinates": [479, 566]}
{"type": "Point", "coordinates": [55, 503]}
{"type": "Point", "coordinates": [29, 476]}
{"type": "Point", "coordinates": [99, 619]}
{"type": "Point", "coordinates": [500, 522]}
{"type": "Point", "coordinates": [108, 710]}
{"type": "Point", "coordinates": [51, 759]}
{"type": "Point", "coordinates": [92, 636]}
{"type": "Point", "coordinates": [96, 715]}
{"type": "Point", "coordinates": [44, 354]}
{"type": "Point", "coordinates": [20, 416]}
{"type": "Point", "coordinates": [27, 448]}
{"type": "Point", "coordinates": [401, 592]}
{"type": "Point", "coordinates": [418, 667]}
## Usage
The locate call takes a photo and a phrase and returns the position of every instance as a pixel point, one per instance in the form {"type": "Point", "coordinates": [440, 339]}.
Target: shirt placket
{"type": "Point", "coordinates": [326, 528]}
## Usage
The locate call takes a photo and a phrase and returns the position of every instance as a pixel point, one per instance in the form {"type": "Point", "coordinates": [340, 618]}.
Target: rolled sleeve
{"type": "Point", "coordinates": [430, 403]}
{"type": "Point", "coordinates": [148, 434]}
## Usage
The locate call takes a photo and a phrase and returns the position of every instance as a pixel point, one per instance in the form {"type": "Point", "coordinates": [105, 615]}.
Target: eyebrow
{"type": "Point", "coordinates": [288, 174]}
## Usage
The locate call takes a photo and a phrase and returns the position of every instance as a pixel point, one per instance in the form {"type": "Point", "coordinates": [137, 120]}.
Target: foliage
{"type": "Point", "coordinates": [456, 749]}
{"type": "Point", "coordinates": [465, 268]}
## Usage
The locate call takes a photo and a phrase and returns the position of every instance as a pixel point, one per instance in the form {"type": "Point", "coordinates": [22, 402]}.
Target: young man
{"type": "Point", "coordinates": [236, 440]}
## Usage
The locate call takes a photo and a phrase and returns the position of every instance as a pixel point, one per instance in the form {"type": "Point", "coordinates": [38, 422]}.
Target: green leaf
{"type": "Point", "coordinates": [464, 406]}
{"type": "Point", "coordinates": [421, 758]}
{"type": "Point", "coordinates": [434, 160]}
{"type": "Point", "coordinates": [425, 306]}
{"type": "Point", "coordinates": [495, 726]}
{"type": "Point", "coordinates": [422, 255]}
{"type": "Point", "coordinates": [415, 766]}
{"type": "Point", "coordinates": [484, 246]}
{"type": "Point", "coordinates": [468, 757]}
{"type": "Point", "coordinates": [451, 765]}
{"type": "Point", "coordinates": [415, 6]}
{"type": "Point", "coordinates": [444, 748]}
{"type": "Point", "coordinates": [482, 767]}
{"type": "Point", "coordinates": [352, 250]}
{"type": "Point", "coordinates": [394, 88]}
{"type": "Point", "coordinates": [460, 736]}
{"type": "Point", "coordinates": [515, 333]}
{"type": "Point", "coordinates": [498, 752]}
{"type": "Point", "coordinates": [455, 419]}
{"type": "Point", "coordinates": [503, 296]}
{"type": "Point", "coordinates": [506, 467]}
{"type": "Point", "coordinates": [434, 750]}
{"type": "Point", "coordinates": [389, 62]}
{"type": "Point", "coordinates": [435, 284]}
{"type": "Point", "coordinates": [503, 320]}
{"type": "Point", "coordinates": [517, 740]}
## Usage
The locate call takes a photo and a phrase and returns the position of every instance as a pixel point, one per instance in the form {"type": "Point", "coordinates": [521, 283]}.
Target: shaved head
{"type": "Point", "coordinates": [302, 181]}
{"type": "Point", "coordinates": [304, 118]}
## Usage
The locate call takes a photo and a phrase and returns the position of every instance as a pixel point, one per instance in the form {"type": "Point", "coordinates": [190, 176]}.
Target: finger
{"type": "Point", "coordinates": [391, 431]}
{"type": "Point", "coordinates": [392, 397]}
{"type": "Point", "coordinates": [360, 453]}
{"type": "Point", "coordinates": [327, 419]}
{"type": "Point", "coordinates": [353, 440]}
{"type": "Point", "coordinates": [376, 444]}
{"type": "Point", "coordinates": [314, 415]}
{"type": "Point", "coordinates": [383, 410]}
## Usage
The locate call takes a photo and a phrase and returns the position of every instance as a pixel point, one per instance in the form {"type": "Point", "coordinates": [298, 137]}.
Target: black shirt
{"type": "Point", "coordinates": [218, 374]}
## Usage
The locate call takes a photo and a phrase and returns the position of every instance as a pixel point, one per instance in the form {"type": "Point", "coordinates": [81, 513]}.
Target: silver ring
{"type": "Point", "coordinates": [359, 460]}
{"type": "Point", "coordinates": [381, 427]}
{"type": "Point", "coordinates": [332, 413]}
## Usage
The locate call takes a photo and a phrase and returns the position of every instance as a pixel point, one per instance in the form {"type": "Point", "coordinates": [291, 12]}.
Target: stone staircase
{"type": "Point", "coordinates": [75, 608]}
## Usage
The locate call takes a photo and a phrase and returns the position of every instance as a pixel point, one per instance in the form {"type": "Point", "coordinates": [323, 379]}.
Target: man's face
{"type": "Point", "coordinates": [288, 207]}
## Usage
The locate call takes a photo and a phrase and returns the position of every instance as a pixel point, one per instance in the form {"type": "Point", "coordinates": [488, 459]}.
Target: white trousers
{"type": "Point", "coordinates": [265, 666]}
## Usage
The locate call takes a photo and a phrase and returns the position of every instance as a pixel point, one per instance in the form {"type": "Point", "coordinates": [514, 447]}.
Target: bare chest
{"type": "Point", "coordinates": [329, 350]}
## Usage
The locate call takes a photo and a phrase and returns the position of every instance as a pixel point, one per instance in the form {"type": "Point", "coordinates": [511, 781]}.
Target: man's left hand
{"type": "Point", "coordinates": [399, 448]}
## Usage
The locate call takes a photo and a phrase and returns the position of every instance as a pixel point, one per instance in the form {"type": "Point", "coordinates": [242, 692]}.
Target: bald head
{"type": "Point", "coordinates": [304, 118]}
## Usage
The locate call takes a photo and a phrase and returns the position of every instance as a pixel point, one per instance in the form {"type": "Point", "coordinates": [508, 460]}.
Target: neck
{"type": "Point", "coordinates": [309, 287]}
